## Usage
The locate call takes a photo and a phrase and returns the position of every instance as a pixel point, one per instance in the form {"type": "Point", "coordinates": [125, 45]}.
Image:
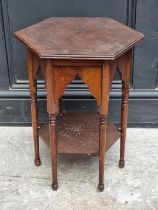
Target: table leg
{"type": "Point", "coordinates": [124, 107]}
{"type": "Point", "coordinates": [53, 110]}
{"type": "Point", "coordinates": [34, 109]}
{"type": "Point", "coordinates": [103, 111]}
{"type": "Point", "coordinates": [124, 114]}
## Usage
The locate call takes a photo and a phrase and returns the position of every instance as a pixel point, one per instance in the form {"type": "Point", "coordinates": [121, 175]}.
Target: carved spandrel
{"type": "Point", "coordinates": [91, 76]}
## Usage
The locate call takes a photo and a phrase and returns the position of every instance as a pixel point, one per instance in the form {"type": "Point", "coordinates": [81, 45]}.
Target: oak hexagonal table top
{"type": "Point", "coordinates": [79, 38]}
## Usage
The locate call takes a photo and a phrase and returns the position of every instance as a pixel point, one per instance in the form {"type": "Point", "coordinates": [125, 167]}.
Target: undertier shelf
{"type": "Point", "coordinates": [78, 133]}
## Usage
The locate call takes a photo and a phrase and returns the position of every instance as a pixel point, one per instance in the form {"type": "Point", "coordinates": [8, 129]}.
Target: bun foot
{"type": "Point", "coordinates": [55, 186]}
{"type": "Point", "coordinates": [37, 162]}
{"type": "Point", "coordinates": [100, 187]}
{"type": "Point", "coordinates": [121, 163]}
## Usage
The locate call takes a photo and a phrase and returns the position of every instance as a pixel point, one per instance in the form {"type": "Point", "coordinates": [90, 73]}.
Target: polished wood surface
{"type": "Point", "coordinates": [79, 38]}
{"type": "Point", "coordinates": [94, 49]}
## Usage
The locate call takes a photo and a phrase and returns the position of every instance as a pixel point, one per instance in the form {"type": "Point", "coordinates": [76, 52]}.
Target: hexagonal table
{"type": "Point", "coordinates": [94, 49]}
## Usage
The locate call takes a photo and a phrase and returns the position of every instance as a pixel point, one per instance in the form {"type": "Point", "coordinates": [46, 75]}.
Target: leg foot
{"type": "Point", "coordinates": [55, 186]}
{"type": "Point", "coordinates": [121, 163]}
{"type": "Point", "coordinates": [100, 187]}
{"type": "Point", "coordinates": [37, 162]}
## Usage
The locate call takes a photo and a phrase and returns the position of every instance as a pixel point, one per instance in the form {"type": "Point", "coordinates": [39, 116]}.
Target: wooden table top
{"type": "Point", "coordinates": [79, 38]}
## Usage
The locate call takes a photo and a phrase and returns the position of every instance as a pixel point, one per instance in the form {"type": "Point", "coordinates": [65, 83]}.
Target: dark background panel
{"type": "Point", "coordinates": [146, 55]}
{"type": "Point", "coordinates": [3, 60]}
{"type": "Point", "coordinates": [18, 111]}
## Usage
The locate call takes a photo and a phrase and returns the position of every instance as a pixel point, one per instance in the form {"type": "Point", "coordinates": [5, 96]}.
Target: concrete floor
{"type": "Point", "coordinates": [24, 186]}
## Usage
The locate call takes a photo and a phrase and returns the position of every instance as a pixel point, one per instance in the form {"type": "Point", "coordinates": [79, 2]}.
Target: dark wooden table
{"type": "Point", "coordinates": [94, 49]}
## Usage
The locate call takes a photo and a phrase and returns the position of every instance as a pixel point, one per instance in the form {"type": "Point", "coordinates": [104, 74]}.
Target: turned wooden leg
{"type": "Point", "coordinates": [34, 109]}
{"type": "Point", "coordinates": [52, 109]}
{"type": "Point", "coordinates": [124, 114]}
{"type": "Point", "coordinates": [125, 73]}
{"type": "Point", "coordinates": [102, 146]}
{"type": "Point", "coordinates": [103, 111]}
{"type": "Point", "coordinates": [53, 147]}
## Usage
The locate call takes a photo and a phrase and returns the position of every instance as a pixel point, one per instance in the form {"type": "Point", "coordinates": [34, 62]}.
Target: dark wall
{"type": "Point", "coordinates": [14, 92]}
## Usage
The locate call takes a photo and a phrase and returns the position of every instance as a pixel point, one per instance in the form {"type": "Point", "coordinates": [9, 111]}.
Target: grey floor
{"type": "Point", "coordinates": [24, 186]}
